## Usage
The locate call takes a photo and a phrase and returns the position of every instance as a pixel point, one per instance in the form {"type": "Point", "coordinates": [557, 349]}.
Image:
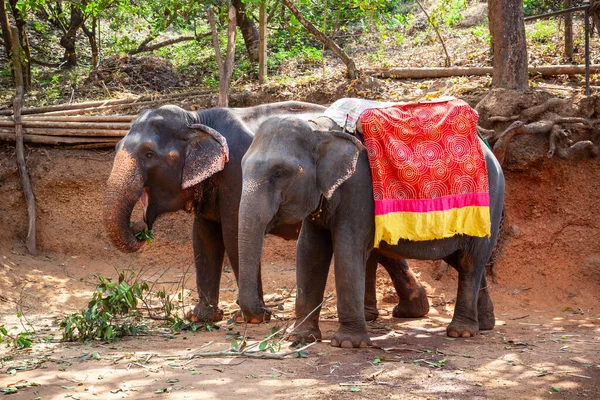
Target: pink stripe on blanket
{"type": "Point", "coordinates": [437, 204]}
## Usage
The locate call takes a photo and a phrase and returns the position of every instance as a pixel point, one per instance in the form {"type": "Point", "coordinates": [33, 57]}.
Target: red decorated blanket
{"type": "Point", "coordinates": [428, 169]}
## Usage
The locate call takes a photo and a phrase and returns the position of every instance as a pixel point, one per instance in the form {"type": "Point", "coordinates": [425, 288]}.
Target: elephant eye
{"type": "Point", "coordinates": [149, 155]}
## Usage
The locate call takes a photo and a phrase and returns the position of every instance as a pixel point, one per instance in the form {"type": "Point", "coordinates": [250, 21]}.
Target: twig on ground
{"type": "Point", "coordinates": [253, 354]}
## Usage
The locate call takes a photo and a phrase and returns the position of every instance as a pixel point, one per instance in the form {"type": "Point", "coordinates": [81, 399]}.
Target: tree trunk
{"type": "Point", "coordinates": [20, 150]}
{"type": "Point", "coordinates": [510, 47]}
{"type": "Point", "coordinates": [331, 45]}
{"type": "Point", "coordinates": [24, 43]}
{"type": "Point", "coordinates": [225, 67]}
{"type": "Point", "coordinates": [262, 54]}
{"type": "Point", "coordinates": [91, 34]}
{"type": "Point", "coordinates": [228, 65]}
{"type": "Point", "coordinates": [68, 40]}
{"type": "Point", "coordinates": [215, 39]}
{"type": "Point", "coordinates": [248, 29]}
{"type": "Point", "coordinates": [5, 24]}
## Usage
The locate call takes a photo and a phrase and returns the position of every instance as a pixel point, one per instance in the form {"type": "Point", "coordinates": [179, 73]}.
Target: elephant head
{"type": "Point", "coordinates": [287, 171]}
{"type": "Point", "coordinates": [166, 152]}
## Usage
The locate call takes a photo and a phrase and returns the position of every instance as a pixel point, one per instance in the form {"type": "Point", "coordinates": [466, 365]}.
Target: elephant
{"type": "Point", "coordinates": [293, 168]}
{"type": "Point", "coordinates": [173, 159]}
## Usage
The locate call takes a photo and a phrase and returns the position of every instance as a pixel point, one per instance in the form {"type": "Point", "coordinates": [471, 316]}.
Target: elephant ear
{"type": "Point", "coordinates": [206, 155]}
{"type": "Point", "coordinates": [337, 156]}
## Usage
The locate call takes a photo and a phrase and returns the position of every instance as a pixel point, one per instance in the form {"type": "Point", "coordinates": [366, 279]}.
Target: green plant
{"type": "Point", "coordinates": [449, 11]}
{"type": "Point", "coordinates": [145, 234]}
{"type": "Point", "coordinates": [535, 7]}
{"type": "Point", "coordinates": [482, 32]}
{"type": "Point", "coordinates": [542, 32]}
{"type": "Point", "coordinates": [110, 314]}
{"type": "Point", "coordinates": [21, 339]}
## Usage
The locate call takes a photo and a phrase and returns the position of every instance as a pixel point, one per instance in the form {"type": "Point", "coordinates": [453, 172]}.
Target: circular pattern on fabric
{"type": "Point", "coordinates": [378, 191]}
{"type": "Point", "coordinates": [433, 189]}
{"type": "Point", "coordinates": [458, 147]}
{"type": "Point", "coordinates": [426, 117]}
{"type": "Point", "coordinates": [461, 125]}
{"type": "Point", "coordinates": [440, 170]}
{"type": "Point", "coordinates": [375, 150]}
{"type": "Point", "coordinates": [409, 173]}
{"type": "Point", "coordinates": [428, 152]}
{"type": "Point", "coordinates": [400, 191]}
{"type": "Point", "coordinates": [399, 152]}
{"type": "Point", "coordinates": [463, 184]}
{"type": "Point", "coordinates": [468, 165]}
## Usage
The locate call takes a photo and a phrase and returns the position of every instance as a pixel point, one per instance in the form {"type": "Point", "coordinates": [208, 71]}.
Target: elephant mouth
{"type": "Point", "coordinates": [144, 199]}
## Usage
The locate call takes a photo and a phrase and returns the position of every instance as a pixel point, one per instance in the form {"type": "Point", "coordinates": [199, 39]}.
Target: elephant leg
{"type": "Point", "coordinates": [485, 307]}
{"type": "Point", "coordinates": [230, 238]}
{"type": "Point", "coordinates": [464, 321]}
{"type": "Point", "coordinates": [209, 251]}
{"type": "Point", "coordinates": [413, 302]}
{"type": "Point", "coordinates": [371, 312]}
{"type": "Point", "coordinates": [350, 271]}
{"type": "Point", "coordinates": [313, 257]}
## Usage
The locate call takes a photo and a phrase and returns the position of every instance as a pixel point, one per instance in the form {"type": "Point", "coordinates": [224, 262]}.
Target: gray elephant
{"type": "Point", "coordinates": [292, 169]}
{"type": "Point", "coordinates": [173, 159]}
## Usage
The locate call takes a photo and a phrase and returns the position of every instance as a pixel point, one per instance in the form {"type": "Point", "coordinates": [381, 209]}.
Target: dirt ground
{"type": "Point", "coordinates": [546, 343]}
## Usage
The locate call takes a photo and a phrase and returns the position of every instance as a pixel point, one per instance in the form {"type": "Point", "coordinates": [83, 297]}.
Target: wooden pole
{"type": "Point", "coordinates": [22, 166]}
{"type": "Point", "coordinates": [70, 125]}
{"type": "Point", "coordinates": [9, 136]}
{"type": "Point", "coordinates": [325, 33]}
{"type": "Point", "coordinates": [568, 31]}
{"type": "Point", "coordinates": [262, 44]}
{"type": "Point", "coordinates": [423, 73]}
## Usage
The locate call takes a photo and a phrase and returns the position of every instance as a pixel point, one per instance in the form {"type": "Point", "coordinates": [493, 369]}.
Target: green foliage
{"type": "Point", "coordinates": [113, 311]}
{"type": "Point", "coordinates": [542, 31]}
{"type": "Point", "coordinates": [145, 234]}
{"type": "Point", "coordinates": [303, 55]}
{"type": "Point", "coordinates": [110, 314]}
{"type": "Point", "coordinates": [482, 33]}
{"type": "Point", "coordinates": [449, 11]}
{"type": "Point", "coordinates": [536, 7]}
{"type": "Point", "coordinates": [20, 340]}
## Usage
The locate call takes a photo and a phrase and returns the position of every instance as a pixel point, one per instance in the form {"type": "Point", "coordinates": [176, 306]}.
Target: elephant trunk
{"type": "Point", "coordinates": [123, 190]}
{"type": "Point", "coordinates": [254, 218]}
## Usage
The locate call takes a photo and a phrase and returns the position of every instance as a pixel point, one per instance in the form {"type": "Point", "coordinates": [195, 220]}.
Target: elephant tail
{"type": "Point", "coordinates": [491, 265]}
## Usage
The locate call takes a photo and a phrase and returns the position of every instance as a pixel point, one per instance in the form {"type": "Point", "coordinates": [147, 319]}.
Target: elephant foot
{"type": "Point", "coordinates": [347, 339]}
{"type": "Point", "coordinates": [371, 313]}
{"type": "Point", "coordinates": [485, 312]}
{"type": "Point", "coordinates": [415, 307]}
{"type": "Point", "coordinates": [304, 335]}
{"type": "Point", "coordinates": [487, 322]}
{"type": "Point", "coordinates": [239, 318]}
{"type": "Point", "coordinates": [463, 329]}
{"type": "Point", "coordinates": [205, 313]}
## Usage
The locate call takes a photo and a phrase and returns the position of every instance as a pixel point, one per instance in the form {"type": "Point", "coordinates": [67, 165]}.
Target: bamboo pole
{"type": "Point", "coordinates": [30, 242]}
{"type": "Point", "coordinates": [77, 118]}
{"type": "Point", "coordinates": [7, 136]}
{"type": "Point", "coordinates": [71, 132]}
{"type": "Point", "coordinates": [423, 73]}
{"type": "Point", "coordinates": [69, 125]}
{"type": "Point", "coordinates": [102, 104]}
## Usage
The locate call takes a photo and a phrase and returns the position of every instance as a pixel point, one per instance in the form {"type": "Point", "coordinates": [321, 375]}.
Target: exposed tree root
{"type": "Point", "coordinates": [544, 119]}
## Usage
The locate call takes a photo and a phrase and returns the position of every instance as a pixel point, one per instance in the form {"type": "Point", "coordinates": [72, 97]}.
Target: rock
{"type": "Point", "coordinates": [474, 16]}
{"type": "Point", "coordinates": [514, 231]}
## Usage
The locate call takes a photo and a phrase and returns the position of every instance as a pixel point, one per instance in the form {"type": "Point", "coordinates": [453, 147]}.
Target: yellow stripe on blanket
{"type": "Point", "coordinates": [417, 226]}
